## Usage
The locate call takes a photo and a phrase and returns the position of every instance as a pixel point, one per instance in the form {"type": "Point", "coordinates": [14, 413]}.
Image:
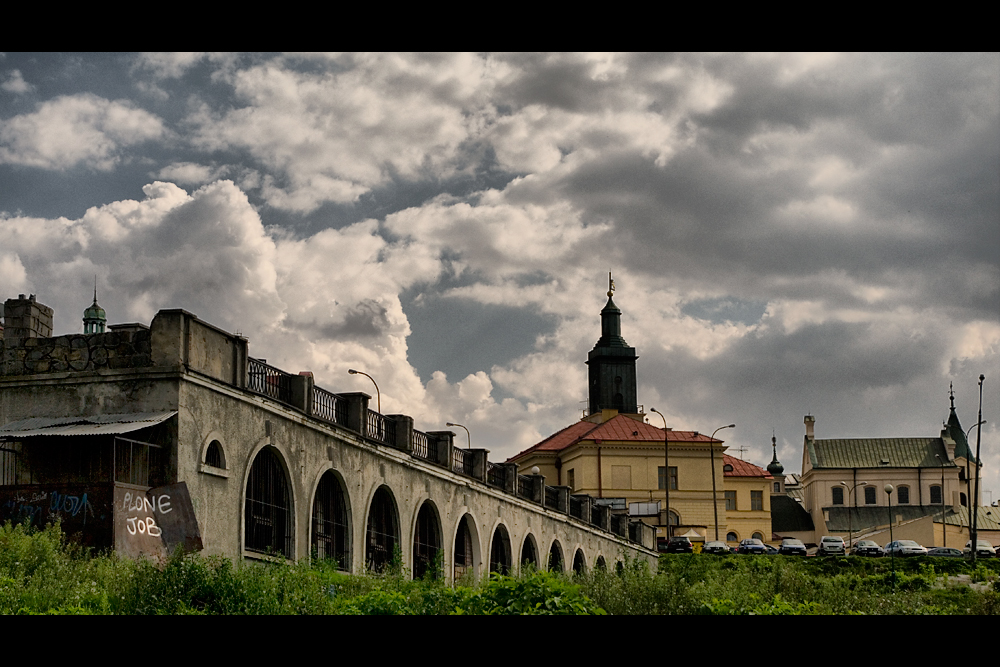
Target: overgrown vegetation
{"type": "Point", "coordinates": [40, 573]}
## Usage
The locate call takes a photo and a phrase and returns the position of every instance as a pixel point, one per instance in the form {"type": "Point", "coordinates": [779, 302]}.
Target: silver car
{"type": "Point", "coordinates": [831, 545]}
{"type": "Point", "coordinates": [905, 548]}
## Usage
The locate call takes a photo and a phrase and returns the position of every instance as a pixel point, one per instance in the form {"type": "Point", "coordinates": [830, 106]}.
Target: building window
{"type": "Point", "coordinates": [730, 500]}
{"type": "Point", "coordinates": [870, 495]}
{"type": "Point", "coordinates": [936, 498]}
{"type": "Point", "coordinates": [904, 495]}
{"type": "Point", "coordinates": [500, 551]}
{"type": "Point", "coordinates": [382, 531]}
{"type": "Point", "coordinates": [463, 550]}
{"type": "Point", "coordinates": [838, 495]}
{"type": "Point", "coordinates": [732, 537]}
{"type": "Point", "coordinates": [571, 478]}
{"type": "Point", "coordinates": [758, 536]}
{"type": "Point", "coordinates": [777, 487]}
{"type": "Point", "coordinates": [673, 478]}
{"type": "Point", "coordinates": [756, 500]}
{"type": "Point", "coordinates": [329, 523]}
{"type": "Point", "coordinates": [268, 510]}
{"type": "Point", "coordinates": [426, 543]}
{"type": "Point", "coordinates": [214, 456]}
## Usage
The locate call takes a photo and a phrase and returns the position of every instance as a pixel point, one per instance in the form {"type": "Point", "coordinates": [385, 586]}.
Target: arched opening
{"type": "Point", "coordinates": [732, 537]}
{"type": "Point", "coordinates": [936, 495]}
{"type": "Point", "coordinates": [500, 551]}
{"type": "Point", "coordinates": [268, 510]}
{"type": "Point", "coordinates": [329, 523]}
{"type": "Point", "coordinates": [601, 564]}
{"type": "Point", "coordinates": [214, 456]}
{"type": "Point", "coordinates": [529, 554]}
{"type": "Point", "coordinates": [758, 536]}
{"type": "Point", "coordinates": [382, 532]}
{"type": "Point", "coordinates": [963, 500]}
{"type": "Point", "coordinates": [555, 557]}
{"type": "Point", "coordinates": [427, 543]}
{"type": "Point", "coordinates": [579, 563]}
{"type": "Point", "coordinates": [464, 553]}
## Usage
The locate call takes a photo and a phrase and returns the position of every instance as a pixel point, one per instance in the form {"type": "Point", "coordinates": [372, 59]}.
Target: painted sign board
{"type": "Point", "coordinates": [154, 522]}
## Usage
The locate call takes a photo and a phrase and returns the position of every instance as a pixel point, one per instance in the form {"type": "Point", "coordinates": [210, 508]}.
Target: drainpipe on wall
{"type": "Point", "coordinates": [600, 487]}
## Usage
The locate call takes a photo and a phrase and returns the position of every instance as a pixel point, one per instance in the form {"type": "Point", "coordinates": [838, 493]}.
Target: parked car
{"type": "Point", "coordinates": [771, 550]}
{"type": "Point", "coordinates": [679, 545]}
{"type": "Point", "coordinates": [905, 548]}
{"type": "Point", "coordinates": [715, 548]}
{"type": "Point", "coordinates": [868, 548]}
{"type": "Point", "coordinates": [751, 545]}
{"type": "Point", "coordinates": [831, 546]}
{"type": "Point", "coordinates": [945, 552]}
{"type": "Point", "coordinates": [792, 547]}
{"type": "Point", "coordinates": [983, 549]}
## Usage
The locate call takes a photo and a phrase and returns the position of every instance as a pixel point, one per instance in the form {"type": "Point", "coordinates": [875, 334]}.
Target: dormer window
{"type": "Point", "coordinates": [727, 468]}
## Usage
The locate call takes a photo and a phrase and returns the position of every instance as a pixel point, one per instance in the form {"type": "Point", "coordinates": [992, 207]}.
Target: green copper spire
{"type": "Point", "coordinates": [94, 317]}
{"type": "Point", "coordinates": [775, 467]}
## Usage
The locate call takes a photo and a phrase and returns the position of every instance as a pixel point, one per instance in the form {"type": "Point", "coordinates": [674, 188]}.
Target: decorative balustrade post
{"type": "Point", "coordinates": [538, 489]}
{"type": "Point", "coordinates": [510, 478]}
{"type": "Point", "coordinates": [357, 411]}
{"type": "Point", "coordinates": [404, 432]}
{"type": "Point", "coordinates": [586, 502]}
{"type": "Point", "coordinates": [600, 516]}
{"type": "Point", "coordinates": [563, 498]}
{"type": "Point", "coordinates": [445, 443]}
{"type": "Point", "coordinates": [479, 460]}
{"type": "Point", "coordinates": [300, 391]}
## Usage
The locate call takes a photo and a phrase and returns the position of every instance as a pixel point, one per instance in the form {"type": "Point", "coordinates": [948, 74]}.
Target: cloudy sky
{"type": "Point", "coordinates": [789, 234]}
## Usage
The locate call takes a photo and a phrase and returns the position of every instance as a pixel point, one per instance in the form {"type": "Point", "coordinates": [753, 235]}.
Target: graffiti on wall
{"type": "Point", "coordinates": [155, 522]}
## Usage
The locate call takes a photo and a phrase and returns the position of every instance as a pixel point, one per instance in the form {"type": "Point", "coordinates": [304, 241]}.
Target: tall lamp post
{"type": "Point", "coordinates": [666, 468]}
{"type": "Point", "coordinates": [466, 432]}
{"type": "Point", "coordinates": [968, 480]}
{"type": "Point", "coordinates": [944, 534]}
{"type": "Point", "coordinates": [715, 501]}
{"type": "Point", "coordinates": [888, 488]}
{"type": "Point", "coordinates": [378, 394]}
{"type": "Point", "coordinates": [850, 514]}
{"type": "Point", "coordinates": [974, 547]}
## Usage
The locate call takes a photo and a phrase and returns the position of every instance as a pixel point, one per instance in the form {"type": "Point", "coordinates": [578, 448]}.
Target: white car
{"type": "Point", "coordinates": [830, 545]}
{"type": "Point", "coordinates": [905, 548]}
{"type": "Point", "coordinates": [983, 549]}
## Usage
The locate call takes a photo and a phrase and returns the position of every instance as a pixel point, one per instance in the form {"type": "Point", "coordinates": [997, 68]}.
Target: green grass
{"type": "Point", "coordinates": [40, 573]}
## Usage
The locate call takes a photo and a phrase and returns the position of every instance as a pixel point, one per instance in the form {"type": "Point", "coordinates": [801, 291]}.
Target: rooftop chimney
{"type": "Point", "coordinates": [810, 421]}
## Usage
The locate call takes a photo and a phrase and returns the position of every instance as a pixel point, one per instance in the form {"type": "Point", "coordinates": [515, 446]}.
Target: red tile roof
{"type": "Point", "coordinates": [617, 429]}
{"type": "Point", "coordinates": [743, 468]}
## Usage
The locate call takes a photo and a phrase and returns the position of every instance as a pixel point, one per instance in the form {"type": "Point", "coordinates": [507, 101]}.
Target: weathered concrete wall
{"type": "Point", "coordinates": [78, 352]}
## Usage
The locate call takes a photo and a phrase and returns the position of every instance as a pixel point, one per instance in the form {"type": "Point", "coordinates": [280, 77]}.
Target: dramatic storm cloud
{"type": "Point", "coordinates": [789, 234]}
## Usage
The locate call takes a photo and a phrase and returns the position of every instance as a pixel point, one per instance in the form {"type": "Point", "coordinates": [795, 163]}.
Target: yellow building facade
{"type": "Point", "coordinates": [615, 456]}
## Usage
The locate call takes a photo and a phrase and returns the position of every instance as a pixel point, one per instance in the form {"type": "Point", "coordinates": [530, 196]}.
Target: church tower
{"type": "Point", "coordinates": [612, 364]}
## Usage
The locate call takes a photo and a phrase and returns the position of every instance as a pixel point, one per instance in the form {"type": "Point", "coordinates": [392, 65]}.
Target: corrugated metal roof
{"type": "Point", "coordinates": [878, 453]}
{"type": "Point", "coordinates": [987, 518]}
{"type": "Point", "coordinates": [90, 425]}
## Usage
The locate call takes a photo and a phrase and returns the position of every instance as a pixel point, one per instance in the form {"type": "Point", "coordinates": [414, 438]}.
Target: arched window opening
{"type": "Point", "coordinates": [903, 495]}
{"type": "Point", "coordinates": [758, 536]}
{"type": "Point", "coordinates": [529, 555]}
{"type": "Point", "coordinates": [382, 532]}
{"type": "Point", "coordinates": [268, 508]}
{"type": "Point", "coordinates": [579, 563]}
{"type": "Point", "coordinates": [838, 495]}
{"type": "Point", "coordinates": [555, 557]}
{"type": "Point", "coordinates": [427, 544]}
{"type": "Point", "coordinates": [500, 551]}
{"type": "Point", "coordinates": [329, 523]}
{"type": "Point", "coordinates": [463, 550]}
{"type": "Point", "coordinates": [964, 500]}
{"type": "Point", "coordinates": [870, 495]}
{"type": "Point", "coordinates": [936, 495]}
{"type": "Point", "coordinates": [215, 456]}
{"type": "Point", "coordinates": [601, 564]}
{"type": "Point", "coordinates": [732, 537]}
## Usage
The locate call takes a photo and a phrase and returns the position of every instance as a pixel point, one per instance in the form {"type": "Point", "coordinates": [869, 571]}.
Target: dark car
{"type": "Point", "coordinates": [792, 547]}
{"type": "Point", "coordinates": [678, 545]}
{"type": "Point", "coordinates": [945, 552]}
{"type": "Point", "coordinates": [867, 548]}
{"type": "Point", "coordinates": [751, 546]}
{"type": "Point", "coordinates": [715, 548]}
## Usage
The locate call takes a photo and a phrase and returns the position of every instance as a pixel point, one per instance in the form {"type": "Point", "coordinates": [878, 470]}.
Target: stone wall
{"type": "Point", "coordinates": [76, 352]}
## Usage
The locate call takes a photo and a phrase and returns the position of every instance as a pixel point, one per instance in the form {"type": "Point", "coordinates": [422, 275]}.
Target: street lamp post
{"type": "Point", "coordinates": [944, 535]}
{"type": "Point", "coordinates": [974, 547]}
{"type": "Point", "coordinates": [850, 516]}
{"type": "Point", "coordinates": [466, 432]}
{"type": "Point", "coordinates": [888, 488]}
{"type": "Point", "coordinates": [715, 501]}
{"type": "Point", "coordinates": [666, 468]}
{"type": "Point", "coordinates": [378, 394]}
